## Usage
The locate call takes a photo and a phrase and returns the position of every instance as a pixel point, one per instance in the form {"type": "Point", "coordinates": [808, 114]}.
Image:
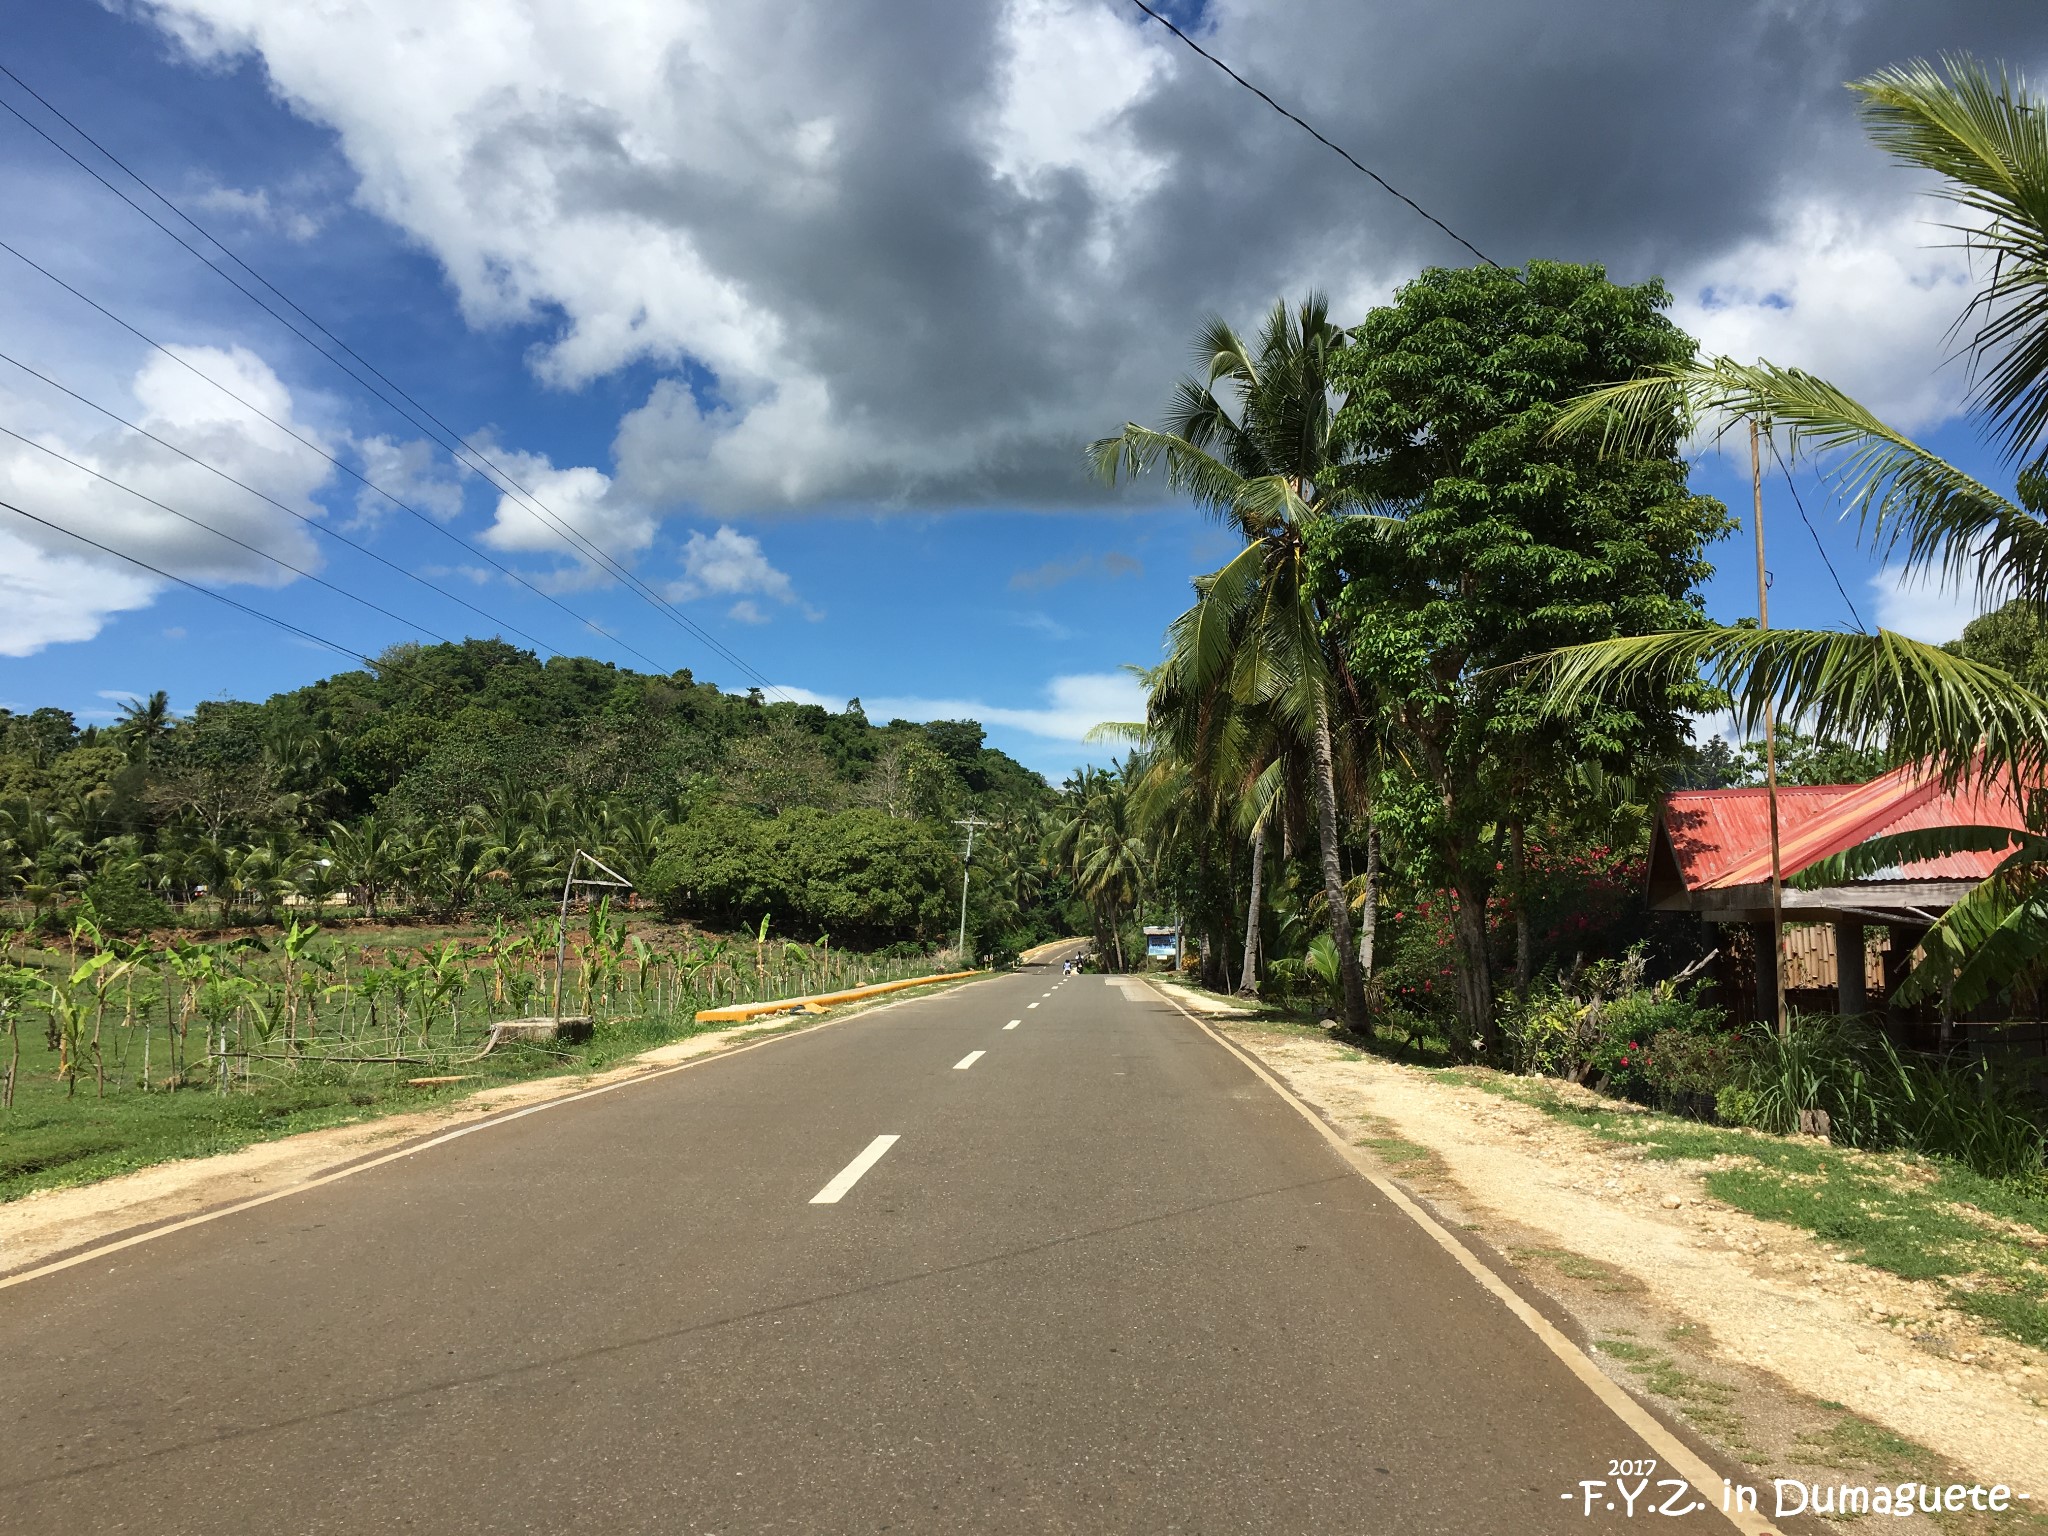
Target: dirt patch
{"type": "Point", "coordinates": [1202, 1002]}
{"type": "Point", "coordinates": [1755, 1299]}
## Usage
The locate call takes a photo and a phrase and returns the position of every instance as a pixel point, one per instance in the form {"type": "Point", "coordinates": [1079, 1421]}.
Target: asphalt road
{"type": "Point", "coordinates": [1104, 1280]}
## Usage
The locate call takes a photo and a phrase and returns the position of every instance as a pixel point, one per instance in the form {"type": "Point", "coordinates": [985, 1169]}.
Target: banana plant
{"type": "Point", "coordinates": [102, 970]}
{"type": "Point", "coordinates": [297, 943]}
{"type": "Point", "coordinates": [18, 983]}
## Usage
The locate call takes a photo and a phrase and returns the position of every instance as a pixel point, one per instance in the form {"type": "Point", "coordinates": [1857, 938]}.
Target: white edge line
{"type": "Point", "coordinates": [1574, 1359]}
{"type": "Point", "coordinates": [850, 1175]}
{"type": "Point", "coordinates": [504, 1118]}
{"type": "Point", "coordinates": [968, 1060]}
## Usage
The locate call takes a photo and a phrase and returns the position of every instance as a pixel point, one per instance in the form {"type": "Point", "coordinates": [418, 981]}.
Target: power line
{"type": "Point", "coordinates": [204, 591]}
{"type": "Point", "coordinates": [440, 431]}
{"type": "Point", "coordinates": [1353, 160]}
{"type": "Point", "coordinates": [447, 533]}
{"type": "Point", "coordinates": [220, 533]}
{"type": "Point", "coordinates": [1824, 560]}
{"type": "Point", "coordinates": [212, 469]}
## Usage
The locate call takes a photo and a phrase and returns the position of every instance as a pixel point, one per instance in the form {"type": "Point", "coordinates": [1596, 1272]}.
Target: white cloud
{"type": "Point", "coordinates": [1071, 72]}
{"type": "Point", "coordinates": [48, 599]}
{"type": "Point", "coordinates": [478, 127]}
{"type": "Point", "coordinates": [261, 209]}
{"type": "Point", "coordinates": [785, 448]}
{"type": "Point", "coordinates": [66, 593]}
{"type": "Point", "coordinates": [729, 563]}
{"type": "Point", "coordinates": [791, 693]}
{"type": "Point", "coordinates": [1923, 607]}
{"type": "Point", "coordinates": [579, 498]}
{"type": "Point", "coordinates": [1074, 705]}
{"type": "Point", "coordinates": [1861, 297]}
{"type": "Point", "coordinates": [409, 471]}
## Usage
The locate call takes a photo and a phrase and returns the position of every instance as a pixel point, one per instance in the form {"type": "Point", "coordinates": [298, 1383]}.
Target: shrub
{"type": "Point", "coordinates": [1542, 1037]}
{"type": "Point", "coordinates": [1620, 1064]}
{"type": "Point", "coordinates": [1685, 1066]}
{"type": "Point", "coordinates": [118, 902]}
{"type": "Point", "coordinates": [1601, 1022]}
{"type": "Point", "coordinates": [859, 875]}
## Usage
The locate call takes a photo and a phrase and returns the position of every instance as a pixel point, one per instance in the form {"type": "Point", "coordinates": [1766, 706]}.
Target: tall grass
{"type": "Point", "coordinates": [1878, 1097]}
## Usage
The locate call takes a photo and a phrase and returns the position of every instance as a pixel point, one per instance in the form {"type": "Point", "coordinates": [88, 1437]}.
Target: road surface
{"type": "Point", "coordinates": [1103, 1279]}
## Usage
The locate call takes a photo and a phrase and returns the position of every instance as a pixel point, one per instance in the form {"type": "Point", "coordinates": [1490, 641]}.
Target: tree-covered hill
{"type": "Point", "coordinates": [460, 778]}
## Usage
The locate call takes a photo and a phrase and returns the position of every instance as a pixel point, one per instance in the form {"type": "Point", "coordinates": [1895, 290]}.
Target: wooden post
{"type": "Point", "coordinates": [1852, 997]}
{"type": "Point", "coordinates": [1770, 966]}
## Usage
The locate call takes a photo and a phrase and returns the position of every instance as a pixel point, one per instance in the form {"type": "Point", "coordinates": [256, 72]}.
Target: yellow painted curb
{"type": "Point", "coordinates": [740, 1012]}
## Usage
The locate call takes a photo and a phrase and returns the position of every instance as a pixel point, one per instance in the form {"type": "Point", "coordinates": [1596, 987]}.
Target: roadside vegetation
{"type": "Point", "coordinates": [1400, 760]}
{"type": "Point", "coordinates": [120, 1053]}
{"type": "Point", "coordinates": [261, 917]}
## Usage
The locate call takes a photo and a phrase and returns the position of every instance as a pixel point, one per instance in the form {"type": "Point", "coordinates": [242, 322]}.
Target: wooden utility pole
{"type": "Point", "coordinates": [1763, 620]}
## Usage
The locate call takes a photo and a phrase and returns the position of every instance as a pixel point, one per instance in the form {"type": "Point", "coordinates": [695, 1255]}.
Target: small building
{"type": "Point", "coordinates": [1711, 854]}
{"type": "Point", "coordinates": [1162, 943]}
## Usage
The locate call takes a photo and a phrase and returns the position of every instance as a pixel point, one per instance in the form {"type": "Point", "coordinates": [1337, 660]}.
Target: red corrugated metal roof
{"type": "Point", "coordinates": [1722, 837]}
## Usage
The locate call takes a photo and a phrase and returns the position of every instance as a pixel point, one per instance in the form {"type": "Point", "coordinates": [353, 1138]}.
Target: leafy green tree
{"type": "Point", "coordinates": [1499, 540]}
{"type": "Point", "coordinates": [2013, 638]}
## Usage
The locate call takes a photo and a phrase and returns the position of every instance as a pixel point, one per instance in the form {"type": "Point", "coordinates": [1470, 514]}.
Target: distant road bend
{"type": "Point", "coordinates": [1031, 1255]}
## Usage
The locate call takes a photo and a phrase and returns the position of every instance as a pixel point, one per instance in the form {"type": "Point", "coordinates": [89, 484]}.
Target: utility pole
{"type": "Point", "coordinates": [1763, 621]}
{"type": "Point", "coordinates": [970, 822]}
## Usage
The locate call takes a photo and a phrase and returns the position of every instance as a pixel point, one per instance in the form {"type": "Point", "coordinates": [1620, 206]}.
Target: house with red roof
{"type": "Point", "coordinates": [1711, 854]}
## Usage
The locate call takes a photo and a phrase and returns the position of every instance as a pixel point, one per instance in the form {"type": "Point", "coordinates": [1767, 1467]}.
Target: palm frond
{"type": "Point", "coordinates": [1220, 353]}
{"type": "Point", "coordinates": [1969, 719]}
{"type": "Point", "coordinates": [1986, 136]}
{"type": "Point", "coordinates": [1130, 733]}
{"type": "Point", "coordinates": [1203, 639]}
{"type": "Point", "coordinates": [1899, 848]}
{"type": "Point", "coordinates": [1993, 934]}
{"type": "Point", "coordinates": [1915, 503]}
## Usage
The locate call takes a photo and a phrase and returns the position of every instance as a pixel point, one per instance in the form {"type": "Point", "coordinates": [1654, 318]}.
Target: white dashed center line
{"type": "Point", "coordinates": [850, 1175]}
{"type": "Point", "coordinates": [968, 1060]}
{"type": "Point", "coordinates": [1013, 1023]}
{"type": "Point", "coordinates": [1029, 1006]}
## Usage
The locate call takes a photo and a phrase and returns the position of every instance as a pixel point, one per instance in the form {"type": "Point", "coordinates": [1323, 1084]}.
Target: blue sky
{"type": "Point", "coordinates": [816, 355]}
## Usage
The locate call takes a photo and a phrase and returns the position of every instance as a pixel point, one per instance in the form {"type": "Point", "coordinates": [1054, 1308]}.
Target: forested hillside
{"type": "Point", "coordinates": [459, 779]}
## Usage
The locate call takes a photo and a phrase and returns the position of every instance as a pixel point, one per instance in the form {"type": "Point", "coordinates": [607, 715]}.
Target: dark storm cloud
{"type": "Point", "coordinates": [945, 328]}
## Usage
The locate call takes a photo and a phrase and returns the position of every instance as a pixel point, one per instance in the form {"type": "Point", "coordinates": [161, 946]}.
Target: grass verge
{"type": "Point", "coordinates": [1984, 1241]}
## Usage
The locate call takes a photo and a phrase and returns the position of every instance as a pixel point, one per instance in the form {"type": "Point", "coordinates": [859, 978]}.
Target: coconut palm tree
{"type": "Point", "coordinates": [1986, 136]}
{"type": "Point", "coordinates": [1262, 463]}
{"type": "Point", "coordinates": [143, 725]}
{"type": "Point", "coordinates": [368, 857]}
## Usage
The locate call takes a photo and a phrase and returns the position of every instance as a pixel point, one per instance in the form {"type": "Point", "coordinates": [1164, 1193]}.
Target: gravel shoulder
{"type": "Point", "coordinates": [1774, 1301]}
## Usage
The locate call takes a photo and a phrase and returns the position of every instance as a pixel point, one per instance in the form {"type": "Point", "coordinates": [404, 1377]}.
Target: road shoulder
{"type": "Point", "coordinates": [1750, 1329]}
